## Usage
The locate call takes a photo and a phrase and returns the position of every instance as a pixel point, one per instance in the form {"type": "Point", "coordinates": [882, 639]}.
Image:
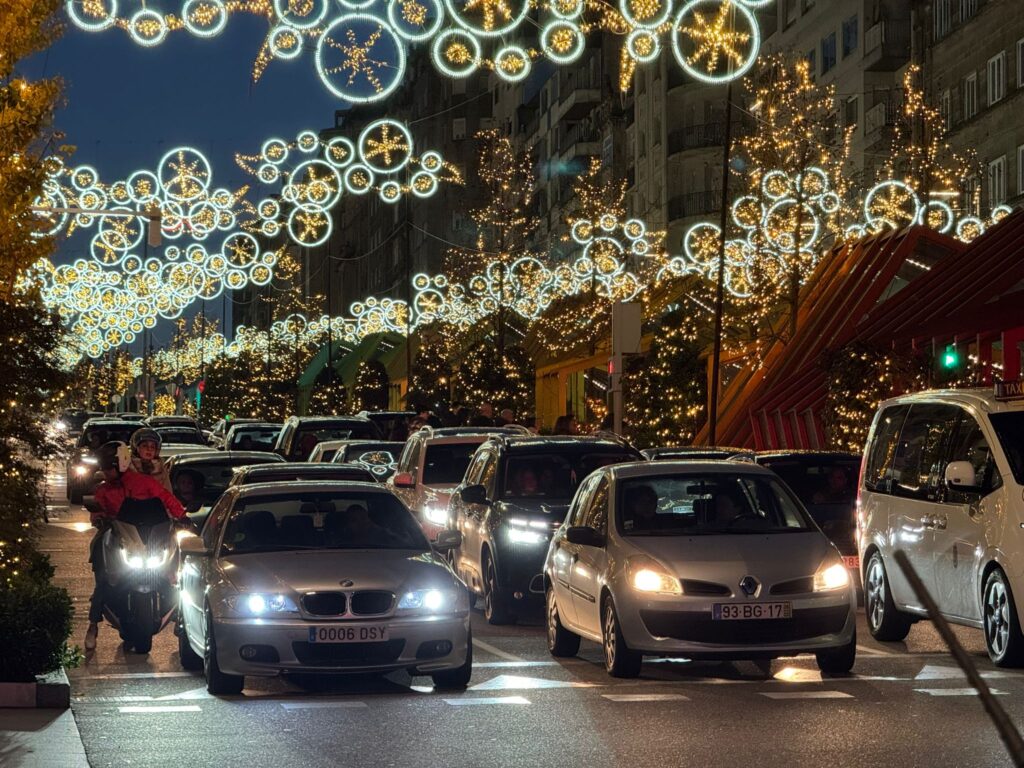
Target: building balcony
{"type": "Point", "coordinates": [580, 101]}
{"type": "Point", "coordinates": [696, 137]}
{"type": "Point", "coordinates": [694, 204]}
{"type": "Point", "coordinates": [887, 45]}
{"type": "Point", "coordinates": [879, 120]}
{"type": "Point", "coordinates": [581, 140]}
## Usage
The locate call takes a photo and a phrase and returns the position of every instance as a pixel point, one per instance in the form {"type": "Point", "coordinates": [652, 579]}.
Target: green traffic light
{"type": "Point", "coordinates": [950, 359]}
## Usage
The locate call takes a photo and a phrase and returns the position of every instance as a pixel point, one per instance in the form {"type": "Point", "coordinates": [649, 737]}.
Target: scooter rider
{"type": "Point", "coordinates": [120, 484]}
{"type": "Point", "coordinates": [146, 444]}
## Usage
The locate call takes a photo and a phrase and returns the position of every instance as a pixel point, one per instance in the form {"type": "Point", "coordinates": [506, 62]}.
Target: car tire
{"type": "Point", "coordinates": [218, 683]}
{"type": "Point", "coordinates": [1003, 637]}
{"type": "Point", "coordinates": [561, 642]}
{"type": "Point", "coordinates": [496, 609]}
{"type": "Point", "coordinates": [190, 660]}
{"type": "Point", "coordinates": [619, 659]}
{"type": "Point", "coordinates": [456, 679]}
{"type": "Point", "coordinates": [838, 661]}
{"type": "Point", "coordinates": [885, 621]}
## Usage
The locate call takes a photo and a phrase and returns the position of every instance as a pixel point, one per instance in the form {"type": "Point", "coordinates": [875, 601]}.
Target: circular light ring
{"type": "Point", "coordinates": [560, 33]}
{"type": "Point", "coordinates": [286, 13]}
{"type": "Point", "coordinates": [358, 179]}
{"type": "Point", "coordinates": [754, 41]}
{"type": "Point", "coordinates": [1000, 212]}
{"type": "Point", "coordinates": [118, 192]}
{"type": "Point", "coordinates": [891, 187]}
{"type": "Point", "coordinates": [943, 210]}
{"type": "Point", "coordinates": [829, 202]}
{"type": "Point", "coordinates": [390, 191]}
{"type": "Point", "coordinates": [739, 282]}
{"type": "Point", "coordinates": [268, 208]}
{"type": "Point", "coordinates": [397, 68]}
{"type": "Point", "coordinates": [307, 141]}
{"type": "Point", "coordinates": [512, 64]}
{"type": "Point", "coordinates": [270, 228]}
{"type": "Point", "coordinates": [315, 234]}
{"type": "Point", "coordinates": [701, 242]}
{"type": "Point", "coordinates": [640, 247]}
{"type": "Point", "coordinates": [643, 46]}
{"type": "Point", "coordinates": [786, 243]}
{"type": "Point", "coordinates": [776, 185]}
{"type": "Point", "coordinates": [240, 249]}
{"type": "Point", "coordinates": [813, 183]}
{"type": "Point", "coordinates": [147, 27]}
{"type": "Point", "coordinates": [608, 222]}
{"type": "Point", "coordinates": [268, 174]}
{"type": "Point", "coordinates": [495, 31]}
{"type": "Point", "coordinates": [634, 228]}
{"type": "Point", "coordinates": [131, 264]}
{"type": "Point", "coordinates": [747, 212]}
{"type": "Point", "coordinates": [370, 145]}
{"type": "Point", "coordinates": [610, 263]}
{"type": "Point", "coordinates": [322, 192]}
{"type": "Point", "coordinates": [97, 24]}
{"type": "Point", "coordinates": [284, 42]}
{"type": "Point", "coordinates": [407, 28]}
{"type": "Point", "coordinates": [216, 265]}
{"type": "Point", "coordinates": [215, 22]}
{"type": "Point", "coordinates": [431, 161]}
{"type": "Point", "coordinates": [83, 177]}
{"type": "Point", "coordinates": [274, 151]}
{"type": "Point", "coordinates": [112, 230]}
{"type": "Point", "coordinates": [423, 184]}
{"type": "Point", "coordinates": [143, 187]}
{"type": "Point", "coordinates": [193, 173]}
{"type": "Point", "coordinates": [202, 218]}
{"type": "Point", "coordinates": [650, 23]}
{"type": "Point", "coordinates": [969, 227]}
{"type": "Point", "coordinates": [340, 152]}
{"type": "Point", "coordinates": [470, 46]}
{"type": "Point", "coordinates": [103, 253]}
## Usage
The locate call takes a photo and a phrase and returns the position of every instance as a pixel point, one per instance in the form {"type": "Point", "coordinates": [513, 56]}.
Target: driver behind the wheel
{"type": "Point", "coordinates": [641, 504]}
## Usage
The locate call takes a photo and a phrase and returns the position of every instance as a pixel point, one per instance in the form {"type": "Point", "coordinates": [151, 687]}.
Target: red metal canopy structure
{"type": "Point", "coordinates": [911, 289]}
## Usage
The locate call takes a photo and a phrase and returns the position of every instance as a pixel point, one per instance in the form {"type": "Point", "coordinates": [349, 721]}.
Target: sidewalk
{"type": "Point", "coordinates": [40, 738]}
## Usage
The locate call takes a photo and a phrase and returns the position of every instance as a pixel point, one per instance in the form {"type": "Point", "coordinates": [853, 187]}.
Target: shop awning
{"type": "Point", "coordinates": [318, 364]}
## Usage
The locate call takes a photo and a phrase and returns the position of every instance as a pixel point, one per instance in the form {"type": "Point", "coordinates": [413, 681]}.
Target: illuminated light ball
{"type": "Point", "coordinates": [494, 20]}
{"type": "Point", "coordinates": [314, 182]}
{"type": "Point", "coordinates": [891, 202]}
{"type": "Point", "coordinates": [143, 187]}
{"type": "Point", "coordinates": [84, 177]}
{"type": "Point", "coordinates": [269, 208]}
{"type": "Point", "coordinates": [420, 281]}
{"type": "Point", "coordinates": [776, 184]}
{"type": "Point", "coordinates": [640, 247]}
{"type": "Point", "coordinates": [390, 191]}
{"type": "Point", "coordinates": [260, 275]}
{"type": "Point", "coordinates": [240, 248]}
{"type": "Point", "coordinates": [567, 9]}
{"type": "Point", "coordinates": [184, 174]}
{"type": "Point", "coordinates": [284, 42]}
{"type": "Point", "coordinates": [700, 243]}
{"type": "Point", "coordinates": [119, 192]}
{"type": "Point", "coordinates": [512, 64]}
{"type": "Point", "coordinates": [431, 161]}
{"type": "Point", "coordinates": [131, 264]}
{"type": "Point", "coordinates": [645, 14]}
{"type": "Point", "coordinates": [423, 184]}
{"type": "Point", "coordinates": [582, 231]}
{"type": "Point", "coordinates": [634, 228]}
{"type": "Point", "coordinates": [235, 279]}
{"type": "Point", "coordinates": [969, 227]}
{"type": "Point", "coordinates": [274, 151]}
{"type": "Point", "coordinates": [747, 212]}
{"type": "Point", "coordinates": [268, 173]}
{"type": "Point", "coordinates": [707, 47]}
{"type": "Point", "coordinates": [307, 141]}
{"type": "Point", "coordinates": [1000, 212]}
{"type": "Point", "coordinates": [309, 227]}
{"type": "Point", "coordinates": [608, 222]}
{"type": "Point", "coordinates": [938, 215]}
{"type": "Point", "coordinates": [270, 228]}
{"type": "Point", "coordinates": [562, 41]}
{"type": "Point", "coordinates": [358, 179]}
{"type": "Point", "coordinates": [360, 48]}
{"type": "Point", "coordinates": [93, 16]}
{"type": "Point", "coordinates": [642, 46]}
{"type": "Point", "coordinates": [339, 152]}
{"type": "Point", "coordinates": [204, 18]}
{"type": "Point", "coordinates": [172, 253]}
{"type": "Point", "coordinates": [829, 202]}
{"type": "Point", "coordinates": [385, 146]}
{"type": "Point", "coordinates": [813, 183]}
{"type": "Point", "coordinates": [268, 258]}
{"type": "Point", "coordinates": [456, 53]}
{"type": "Point", "coordinates": [304, 15]}
{"type": "Point", "coordinates": [415, 20]}
{"type": "Point", "coordinates": [147, 27]}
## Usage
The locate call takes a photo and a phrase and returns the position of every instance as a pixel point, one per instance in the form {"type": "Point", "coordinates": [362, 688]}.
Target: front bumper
{"type": "Point", "coordinates": [284, 646]}
{"type": "Point", "coordinates": [684, 626]}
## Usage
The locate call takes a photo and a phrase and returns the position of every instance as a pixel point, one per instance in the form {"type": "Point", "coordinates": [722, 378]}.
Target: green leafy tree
{"type": "Point", "coordinates": [370, 390]}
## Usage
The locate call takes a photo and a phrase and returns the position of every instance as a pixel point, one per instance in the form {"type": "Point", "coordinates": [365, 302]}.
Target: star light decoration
{"type": "Point", "coordinates": [381, 160]}
{"type": "Point", "coordinates": [360, 46]}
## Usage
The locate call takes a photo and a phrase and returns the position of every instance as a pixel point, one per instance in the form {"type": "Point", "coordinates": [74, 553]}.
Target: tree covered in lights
{"type": "Point", "coordinates": [370, 389]}
{"type": "Point", "coordinates": [508, 381]}
{"type": "Point", "coordinates": [431, 380]}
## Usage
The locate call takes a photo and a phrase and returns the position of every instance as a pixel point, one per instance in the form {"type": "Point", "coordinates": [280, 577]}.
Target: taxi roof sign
{"type": "Point", "coordinates": [1010, 390]}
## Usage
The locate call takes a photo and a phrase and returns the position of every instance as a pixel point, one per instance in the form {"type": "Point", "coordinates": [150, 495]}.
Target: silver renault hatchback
{"type": "Point", "coordinates": [706, 560]}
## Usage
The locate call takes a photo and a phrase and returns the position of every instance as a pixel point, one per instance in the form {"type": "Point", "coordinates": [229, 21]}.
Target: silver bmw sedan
{"type": "Point", "coordinates": [697, 559]}
{"type": "Point", "coordinates": [319, 577]}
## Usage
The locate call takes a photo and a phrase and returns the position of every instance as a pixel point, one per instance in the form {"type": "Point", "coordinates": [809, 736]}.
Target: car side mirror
{"type": "Point", "coordinates": [90, 503]}
{"type": "Point", "coordinates": [448, 540]}
{"type": "Point", "coordinates": [474, 494]}
{"type": "Point", "coordinates": [584, 536]}
{"type": "Point", "coordinates": [405, 480]}
{"type": "Point", "coordinates": [190, 544]}
{"type": "Point", "coordinates": [960, 476]}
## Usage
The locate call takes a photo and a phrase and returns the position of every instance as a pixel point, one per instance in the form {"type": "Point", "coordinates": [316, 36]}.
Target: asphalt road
{"type": "Point", "coordinates": [906, 704]}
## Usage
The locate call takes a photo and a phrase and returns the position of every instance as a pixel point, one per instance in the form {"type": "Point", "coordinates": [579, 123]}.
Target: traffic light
{"type": "Point", "coordinates": [950, 358]}
{"type": "Point", "coordinates": [202, 385]}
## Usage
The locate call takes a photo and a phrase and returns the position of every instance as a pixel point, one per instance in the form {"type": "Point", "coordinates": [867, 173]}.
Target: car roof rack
{"type": "Point", "coordinates": [506, 431]}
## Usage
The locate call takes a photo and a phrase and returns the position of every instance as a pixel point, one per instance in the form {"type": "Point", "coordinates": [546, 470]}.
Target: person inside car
{"type": "Point", "coordinates": [121, 485]}
{"type": "Point", "coordinates": [525, 482]}
{"type": "Point", "coordinates": [146, 459]}
{"type": "Point", "coordinates": [641, 511]}
{"type": "Point", "coordinates": [188, 485]}
{"type": "Point", "coordinates": [837, 488]}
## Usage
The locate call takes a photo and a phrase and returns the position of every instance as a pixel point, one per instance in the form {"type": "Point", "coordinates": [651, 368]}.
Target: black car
{"type": "Point", "coordinates": [180, 436]}
{"type": "Point", "coordinates": [386, 421]}
{"type": "Point", "coordinates": [82, 465]}
{"type": "Point", "coordinates": [73, 421]}
{"type": "Point", "coordinates": [694, 453]}
{"type": "Point", "coordinates": [251, 436]}
{"type": "Point", "coordinates": [300, 434]}
{"type": "Point", "coordinates": [514, 496]}
{"type": "Point", "coordinates": [381, 458]}
{"type": "Point", "coordinates": [198, 479]}
{"type": "Point", "coordinates": [300, 470]}
{"type": "Point", "coordinates": [171, 421]}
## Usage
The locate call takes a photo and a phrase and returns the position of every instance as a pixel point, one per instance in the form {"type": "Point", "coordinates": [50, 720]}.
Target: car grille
{"type": "Point", "coordinates": [324, 603]}
{"type": "Point", "coordinates": [371, 602]}
{"type": "Point", "coordinates": [794, 586]}
{"type": "Point", "coordinates": [699, 627]}
{"type": "Point", "coordinates": [347, 654]}
{"type": "Point", "coordinates": [706, 588]}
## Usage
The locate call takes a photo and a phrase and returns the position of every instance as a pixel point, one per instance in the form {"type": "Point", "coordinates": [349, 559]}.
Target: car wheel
{"type": "Point", "coordinates": [619, 659]}
{"type": "Point", "coordinates": [495, 607]}
{"type": "Point", "coordinates": [189, 659]}
{"type": "Point", "coordinates": [838, 661]}
{"type": "Point", "coordinates": [561, 642]}
{"type": "Point", "coordinates": [1002, 628]}
{"type": "Point", "coordinates": [885, 621]}
{"type": "Point", "coordinates": [456, 679]}
{"type": "Point", "coordinates": [218, 683]}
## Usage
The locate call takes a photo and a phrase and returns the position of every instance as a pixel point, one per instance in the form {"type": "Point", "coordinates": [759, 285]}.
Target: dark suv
{"type": "Point", "coordinates": [82, 463]}
{"type": "Point", "coordinates": [300, 434]}
{"type": "Point", "coordinates": [514, 496]}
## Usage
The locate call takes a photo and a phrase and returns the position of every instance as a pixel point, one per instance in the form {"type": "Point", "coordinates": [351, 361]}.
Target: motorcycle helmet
{"type": "Point", "coordinates": [114, 454]}
{"type": "Point", "coordinates": [146, 435]}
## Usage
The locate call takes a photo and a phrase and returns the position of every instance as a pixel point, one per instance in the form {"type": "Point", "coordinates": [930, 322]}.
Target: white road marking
{"type": "Point", "coordinates": [148, 710]}
{"type": "Point", "coordinates": [76, 527]}
{"type": "Point", "coordinates": [936, 672]}
{"type": "Point", "coordinates": [645, 697]}
{"type": "Point", "coordinates": [323, 704]}
{"type": "Point", "coordinates": [483, 701]}
{"type": "Point", "coordinates": [514, 664]}
{"type": "Point", "coordinates": [797, 675]}
{"type": "Point", "coordinates": [195, 693]}
{"type": "Point", "coordinates": [134, 675]}
{"type": "Point", "coordinates": [807, 695]}
{"type": "Point", "coordinates": [496, 651]}
{"type": "Point", "coordinates": [954, 691]}
{"type": "Point", "coordinates": [874, 651]}
{"type": "Point", "coordinates": [518, 683]}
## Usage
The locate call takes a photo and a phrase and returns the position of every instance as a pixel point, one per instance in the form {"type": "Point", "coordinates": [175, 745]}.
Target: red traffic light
{"type": "Point", "coordinates": [202, 385]}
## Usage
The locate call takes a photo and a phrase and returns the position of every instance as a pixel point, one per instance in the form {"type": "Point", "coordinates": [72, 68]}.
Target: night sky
{"type": "Point", "coordinates": [127, 105]}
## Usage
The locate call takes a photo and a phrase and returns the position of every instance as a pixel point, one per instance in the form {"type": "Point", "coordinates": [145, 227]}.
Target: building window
{"type": "Point", "coordinates": [970, 96]}
{"type": "Point", "coordinates": [973, 204]}
{"type": "Point", "coordinates": [813, 61]}
{"type": "Point", "coordinates": [996, 77]}
{"type": "Point", "coordinates": [852, 111]}
{"type": "Point", "coordinates": [967, 9]}
{"type": "Point", "coordinates": [997, 181]}
{"type": "Point", "coordinates": [942, 14]}
{"type": "Point", "coordinates": [850, 35]}
{"type": "Point", "coordinates": [828, 52]}
{"type": "Point", "coordinates": [944, 110]}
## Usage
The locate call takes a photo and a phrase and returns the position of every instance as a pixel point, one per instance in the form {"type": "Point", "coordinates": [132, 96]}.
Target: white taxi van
{"type": "Point", "coordinates": [943, 480]}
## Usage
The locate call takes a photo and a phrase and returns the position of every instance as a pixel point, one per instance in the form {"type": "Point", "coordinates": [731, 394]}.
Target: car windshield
{"type": "Point", "coordinates": [445, 463]}
{"type": "Point", "coordinates": [348, 430]}
{"type": "Point", "coordinates": [253, 438]}
{"type": "Point", "coordinates": [379, 458]}
{"type": "Point", "coordinates": [334, 472]}
{"type": "Point", "coordinates": [1009, 427]}
{"type": "Point", "coordinates": [96, 435]}
{"type": "Point", "coordinates": [684, 505]}
{"type": "Point", "coordinates": [554, 474]}
{"type": "Point", "coordinates": [205, 479]}
{"type": "Point", "coordinates": [181, 436]}
{"type": "Point", "coordinates": [323, 520]}
{"type": "Point", "coordinates": [818, 480]}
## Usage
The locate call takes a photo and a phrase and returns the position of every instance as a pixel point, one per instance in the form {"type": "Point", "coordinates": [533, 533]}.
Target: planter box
{"type": "Point", "coordinates": [50, 691]}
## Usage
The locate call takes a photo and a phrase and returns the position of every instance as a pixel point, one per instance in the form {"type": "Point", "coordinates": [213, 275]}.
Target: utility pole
{"type": "Point", "coordinates": [408, 300]}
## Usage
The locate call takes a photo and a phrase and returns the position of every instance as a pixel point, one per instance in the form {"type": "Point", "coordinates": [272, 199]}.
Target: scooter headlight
{"type": "Point", "coordinates": [149, 562]}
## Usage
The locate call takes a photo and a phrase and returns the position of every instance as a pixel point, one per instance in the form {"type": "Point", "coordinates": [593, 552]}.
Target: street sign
{"type": "Point", "coordinates": [115, 399]}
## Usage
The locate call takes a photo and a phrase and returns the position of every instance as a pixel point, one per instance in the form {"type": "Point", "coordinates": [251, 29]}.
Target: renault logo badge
{"type": "Point", "coordinates": [750, 586]}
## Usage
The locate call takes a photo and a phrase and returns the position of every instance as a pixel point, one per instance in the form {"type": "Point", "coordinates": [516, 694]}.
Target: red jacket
{"type": "Point", "coordinates": [134, 485]}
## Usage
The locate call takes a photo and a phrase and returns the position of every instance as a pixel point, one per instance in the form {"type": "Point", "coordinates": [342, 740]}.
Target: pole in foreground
{"type": "Point", "coordinates": [716, 355]}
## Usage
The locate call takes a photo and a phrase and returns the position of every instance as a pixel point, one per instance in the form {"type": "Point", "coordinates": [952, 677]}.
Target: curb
{"type": "Point", "coordinates": [49, 691]}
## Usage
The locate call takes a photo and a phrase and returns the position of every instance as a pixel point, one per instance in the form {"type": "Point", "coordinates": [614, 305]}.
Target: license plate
{"type": "Point", "coordinates": [852, 562]}
{"type": "Point", "coordinates": [743, 611]}
{"type": "Point", "coordinates": [348, 634]}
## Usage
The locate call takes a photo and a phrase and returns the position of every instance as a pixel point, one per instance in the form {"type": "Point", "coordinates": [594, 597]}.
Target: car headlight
{"type": "Point", "coordinates": [149, 562]}
{"type": "Point", "coordinates": [523, 531]}
{"type": "Point", "coordinates": [645, 575]}
{"type": "Point", "coordinates": [89, 460]}
{"type": "Point", "coordinates": [831, 576]}
{"type": "Point", "coordinates": [436, 515]}
{"type": "Point", "coordinates": [60, 426]}
{"type": "Point", "coordinates": [81, 470]}
{"type": "Point", "coordinates": [261, 604]}
{"type": "Point", "coordinates": [434, 601]}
